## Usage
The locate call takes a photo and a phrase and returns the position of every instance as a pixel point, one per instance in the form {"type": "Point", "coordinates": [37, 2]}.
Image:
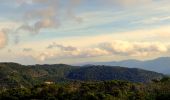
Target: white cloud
{"type": "Point", "coordinates": [3, 39]}
{"type": "Point", "coordinates": [44, 56]}
{"type": "Point", "coordinates": [48, 15]}
{"type": "Point", "coordinates": [27, 49]}
{"type": "Point", "coordinates": [69, 52]}
{"type": "Point", "coordinates": [127, 3]}
{"type": "Point", "coordinates": [115, 48]}
{"type": "Point", "coordinates": [134, 48]}
{"type": "Point", "coordinates": [153, 20]}
{"type": "Point", "coordinates": [64, 48]}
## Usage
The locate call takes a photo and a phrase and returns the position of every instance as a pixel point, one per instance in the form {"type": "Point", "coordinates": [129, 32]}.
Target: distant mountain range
{"type": "Point", "coordinates": [13, 74]}
{"type": "Point", "coordinates": [161, 65]}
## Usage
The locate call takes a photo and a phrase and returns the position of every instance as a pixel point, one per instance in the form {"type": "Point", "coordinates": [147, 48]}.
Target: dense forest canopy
{"type": "Point", "coordinates": [103, 90]}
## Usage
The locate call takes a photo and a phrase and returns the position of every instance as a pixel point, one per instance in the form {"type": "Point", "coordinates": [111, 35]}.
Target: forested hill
{"type": "Point", "coordinates": [113, 73]}
{"type": "Point", "coordinates": [13, 74]}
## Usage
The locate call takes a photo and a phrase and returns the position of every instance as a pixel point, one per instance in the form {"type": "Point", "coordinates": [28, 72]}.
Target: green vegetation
{"type": "Point", "coordinates": [16, 75]}
{"type": "Point", "coordinates": [65, 82]}
{"type": "Point", "coordinates": [113, 73]}
{"type": "Point", "coordinates": [103, 90]}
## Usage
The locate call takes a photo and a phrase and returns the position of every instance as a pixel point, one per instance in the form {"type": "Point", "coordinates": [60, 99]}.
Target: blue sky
{"type": "Point", "coordinates": [75, 31]}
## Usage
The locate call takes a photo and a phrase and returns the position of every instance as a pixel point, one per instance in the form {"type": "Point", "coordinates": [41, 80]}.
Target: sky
{"type": "Point", "coordinates": [77, 31]}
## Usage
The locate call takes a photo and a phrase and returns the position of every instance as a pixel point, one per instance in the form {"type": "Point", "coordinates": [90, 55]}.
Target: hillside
{"type": "Point", "coordinates": [112, 73]}
{"type": "Point", "coordinates": [13, 74]}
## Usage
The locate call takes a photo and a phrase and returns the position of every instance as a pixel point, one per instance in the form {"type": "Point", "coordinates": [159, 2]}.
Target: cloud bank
{"type": "Point", "coordinates": [115, 48]}
{"type": "Point", "coordinates": [134, 49]}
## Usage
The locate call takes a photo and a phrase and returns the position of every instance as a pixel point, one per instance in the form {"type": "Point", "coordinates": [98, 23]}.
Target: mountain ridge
{"type": "Point", "coordinates": [160, 65]}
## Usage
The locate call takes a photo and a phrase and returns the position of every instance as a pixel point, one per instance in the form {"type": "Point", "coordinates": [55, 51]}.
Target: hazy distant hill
{"type": "Point", "coordinates": [161, 65]}
{"type": "Point", "coordinates": [13, 74]}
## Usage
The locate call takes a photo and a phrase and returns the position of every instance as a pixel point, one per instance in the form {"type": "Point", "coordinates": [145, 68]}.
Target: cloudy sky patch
{"type": "Point", "coordinates": [48, 31]}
